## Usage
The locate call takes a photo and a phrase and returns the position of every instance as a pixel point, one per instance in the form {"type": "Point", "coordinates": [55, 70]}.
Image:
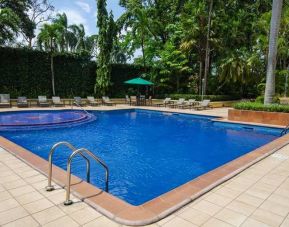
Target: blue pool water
{"type": "Point", "coordinates": [148, 152]}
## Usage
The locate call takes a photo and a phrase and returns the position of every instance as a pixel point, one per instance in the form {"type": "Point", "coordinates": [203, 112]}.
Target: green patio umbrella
{"type": "Point", "coordinates": [139, 81]}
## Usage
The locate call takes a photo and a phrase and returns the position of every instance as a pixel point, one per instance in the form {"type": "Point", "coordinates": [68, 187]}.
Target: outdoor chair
{"type": "Point", "coordinates": [91, 101]}
{"type": "Point", "coordinates": [133, 100]}
{"type": "Point", "coordinates": [42, 101]}
{"type": "Point", "coordinates": [5, 100]}
{"type": "Point", "coordinates": [189, 104]}
{"type": "Point", "coordinates": [164, 103]}
{"type": "Point", "coordinates": [149, 101]}
{"type": "Point", "coordinates": [179, 103]}
{"type": "Point", "coordinates": [22, 102]}
{"type": "Point", "coordinates": [57, 101]}
{"type": "Point", "coordinates": [205, 104]}
{"type": "Point", "coordinates": [106, 101]}
{"type": "Point", "coordinates": [78, 101]}
{"type": "Point", "coordinates": [127, 99]}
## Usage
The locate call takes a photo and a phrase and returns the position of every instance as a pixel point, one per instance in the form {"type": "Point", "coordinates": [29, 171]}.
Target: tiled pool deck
{"type": "Point", "coordinates": [259, 196]}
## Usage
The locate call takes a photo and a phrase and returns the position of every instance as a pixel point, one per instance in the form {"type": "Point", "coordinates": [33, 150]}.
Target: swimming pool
{"type": "Point", "coordinates": [148, 152]}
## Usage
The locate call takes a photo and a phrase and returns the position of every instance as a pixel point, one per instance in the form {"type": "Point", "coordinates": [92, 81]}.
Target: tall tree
{"type": "Point", "coordinates": [272, 55]}
{"type": "Point", "coordinates": [39, 12]}
{"type": "Point", "coordinates": [106, 34]}
{"type": "Point", "coordinates": [47, 37]}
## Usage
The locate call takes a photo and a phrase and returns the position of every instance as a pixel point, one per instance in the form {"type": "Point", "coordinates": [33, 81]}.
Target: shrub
{"type": "Point", "coordinates": [261, 107]}
{"type": "Point", "coordinates": [199, 97]}
{"type": "Point", "coordinates": [260, 99]}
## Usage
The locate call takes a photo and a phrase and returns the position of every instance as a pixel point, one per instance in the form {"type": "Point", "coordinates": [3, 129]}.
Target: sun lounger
{"type": "Point", "coordinates": [42, 101]}
{"type": "Point", "coordinates": [91, 101]}
{"type": "Point", "coordinates": [127, 99]}
{"type": "Point", "coordinates": [179, 103]}
{"type": "Point", "coordinates": [205, 104]}
{"type": "Point", "coordinates": [57, 101]}
{"type": "Point", "coordinates": [5, 100]}
{"type": "Point", "coordinates": [189, 104]}
{"type": "Point", "coordinates": [78, 101]}
{"type": "Point", "coordinates": [164, 103]}
{"type": "Point", "coordinates": [106, 101]}
{"type": "Point", "coordinates": [22, 102]}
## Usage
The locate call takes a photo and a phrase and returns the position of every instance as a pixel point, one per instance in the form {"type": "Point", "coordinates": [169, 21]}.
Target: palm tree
{"type": "Point", "coordinates": [63, 33]}
{"type": "Point", "coordinates": [79, 33]}
{"type": "Point", "coordinates": [47, 38]}
{"type": "Point", "coordinates": [274, 30]}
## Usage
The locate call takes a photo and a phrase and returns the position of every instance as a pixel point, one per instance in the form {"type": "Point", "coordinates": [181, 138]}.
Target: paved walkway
{"type": "Point", "coordinates": [259, 196]}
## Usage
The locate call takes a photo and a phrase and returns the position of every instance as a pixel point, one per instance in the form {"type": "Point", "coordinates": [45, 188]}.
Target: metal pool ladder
{"type": "Point", "coordinates": [82, 152]}
{"type": "Point", "coordinates": [284, 131]}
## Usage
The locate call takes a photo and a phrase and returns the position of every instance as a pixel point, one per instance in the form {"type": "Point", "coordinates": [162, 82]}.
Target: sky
{"type": "Point", "coordinates": [84, 12]}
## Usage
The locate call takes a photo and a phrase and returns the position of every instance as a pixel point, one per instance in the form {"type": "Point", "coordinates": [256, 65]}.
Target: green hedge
{"type": "Point", "coordinates": [261, 107]}
{"type": "Point", "coordinates": [199, 97]}
{"type": "Point", "coordinates": [27, 72]}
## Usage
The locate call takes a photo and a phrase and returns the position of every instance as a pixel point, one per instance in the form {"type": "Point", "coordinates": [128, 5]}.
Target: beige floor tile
{"type": "Point", "coordinates": [28, 174]}
{"type": "Point", "coordinates": [5, 195]}
{"type": "Point", "coordinates": [178, 222]}
{"type": "Point", "coordinates": [285, 223]}
{"type": "Point", "coordinates": [35, 179]}
{"type": "Point", "coordinates": [166, 219]}
{"type": "Point", "coordinates": [21, 190]}
{"type": "Point", "coordinates": [57, 198]}
{"type": "Point", "coordinates": [267, 217]}
{"type": "Point", "coordinates": [65, 221]}
{"type": "Point", "coordinates": [249, 199]}
{"type": "Point", "coordinates": [283, 200]}
{"type": "Point", "coordinates": [260, 192]}
{"type": "Point", "coordinates": [85, 215]}
{"type": "Point", "coordinates": [213, 222]}
{"type": "Point", "coordinates": [72, 208]}
{"type": "Point", "coordinates": [8, 204]}
{"type": "Point", "coordinates": [48, 215]}
{"type": "Point", "coordinates": [38, 205]}
{"type": "Point", "coordinates": [250, 222]}
{"type": "Point", "coordinates": [219, 200]}
{"type": "Point", "coordinates": [194, 216]}
{"type": "Point", "coordinates": [231, 217]}
{"type": "Point", "coordinates": [207, 207]}
{"type": "Point", "coordinates": [102, 222]}
{"type": "Point", "coordinates": [23, 222]}
{"type": "Point", "coordinates": [29, 197]}
{"type": "Point", "coordinates": [228, 192]}
{"type": "Point", "coordinates": [275, 208]}
{"type": "Point", "coordinates": [241, 207]}
{"type": "Point", "coordinates": [12, 215]}
{"type": "Point", "coordinates": [39, 185]}
{"type": "Point", "coordinates": [14, 184]}
{"type": "Point", "coordinates": [2, 189]}
{"type": "Point", "coordinates": [6, 179]}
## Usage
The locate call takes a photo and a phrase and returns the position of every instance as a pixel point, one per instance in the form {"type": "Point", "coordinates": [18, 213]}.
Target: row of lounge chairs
{"type": "Point", "coordinates": [42, 101]}
{"type": "Point", "coordinates": [183, 104]}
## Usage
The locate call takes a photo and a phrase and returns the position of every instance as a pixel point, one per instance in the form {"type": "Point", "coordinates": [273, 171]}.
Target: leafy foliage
{"type": "Point", "coordinates": [261, 107]}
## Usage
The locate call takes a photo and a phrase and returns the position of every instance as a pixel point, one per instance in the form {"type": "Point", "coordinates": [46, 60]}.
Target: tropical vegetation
{"type": "Point", "coordinates": [183, 46]}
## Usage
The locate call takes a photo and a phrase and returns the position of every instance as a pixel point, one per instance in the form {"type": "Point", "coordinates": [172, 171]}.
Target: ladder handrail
{"type": "Point", "coordinates": [81, 108]}
{"type": "Point", "coordinates": [50, 160]}
{"type": "Point", "coordinates": [285, 130]}
{"type": "Point", "coordinates": [68, 183]}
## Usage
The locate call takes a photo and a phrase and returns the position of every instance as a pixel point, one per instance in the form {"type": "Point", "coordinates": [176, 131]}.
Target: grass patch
{"type": "Point", "coordinates": [261, 107]}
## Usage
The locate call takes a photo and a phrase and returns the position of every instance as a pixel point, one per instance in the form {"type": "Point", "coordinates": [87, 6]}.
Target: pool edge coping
{"type": "Point", "coordinates": [159, 207]}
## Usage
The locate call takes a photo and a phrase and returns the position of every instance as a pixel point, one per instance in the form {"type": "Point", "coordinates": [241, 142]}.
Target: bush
{"type": "Point", "coordinates": [25, 72]}
{"type": "Point", "coordinates": [261, 107]}
{"type": "Point", "coordinates": [199, 97]}
{"type": "Point", "coordinates": [260, 99]}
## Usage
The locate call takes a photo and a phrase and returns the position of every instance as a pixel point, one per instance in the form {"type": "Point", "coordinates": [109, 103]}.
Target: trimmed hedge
{"type": "Point", "coordinates": [261, 107]}
{"type": "Point", "coordinates": [27, 72]}
{"type": "Point", "coordinates": [199, 97]}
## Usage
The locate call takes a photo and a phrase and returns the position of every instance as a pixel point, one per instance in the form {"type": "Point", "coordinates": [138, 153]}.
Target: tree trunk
{"type": "Point", "coordinates": [143, 52]}
{"type": "Point", "coordinates": [272, 55]}
{"type": "Point", "coordinates": [200, 78]}
{"type": "Point", "coordinates": [207, 56]}
{"type": "Point", "coordinates": [52, 73]}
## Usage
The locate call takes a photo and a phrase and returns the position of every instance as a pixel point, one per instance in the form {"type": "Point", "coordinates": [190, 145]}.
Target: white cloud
{"type": "Point", "coordinates": [84, 6]}
{"type": "Point", "coordinates": [74, 17]}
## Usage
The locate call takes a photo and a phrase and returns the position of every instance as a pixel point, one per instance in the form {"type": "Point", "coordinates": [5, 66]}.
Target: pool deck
{"type": "Point", "coordinates": [258, 196]}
